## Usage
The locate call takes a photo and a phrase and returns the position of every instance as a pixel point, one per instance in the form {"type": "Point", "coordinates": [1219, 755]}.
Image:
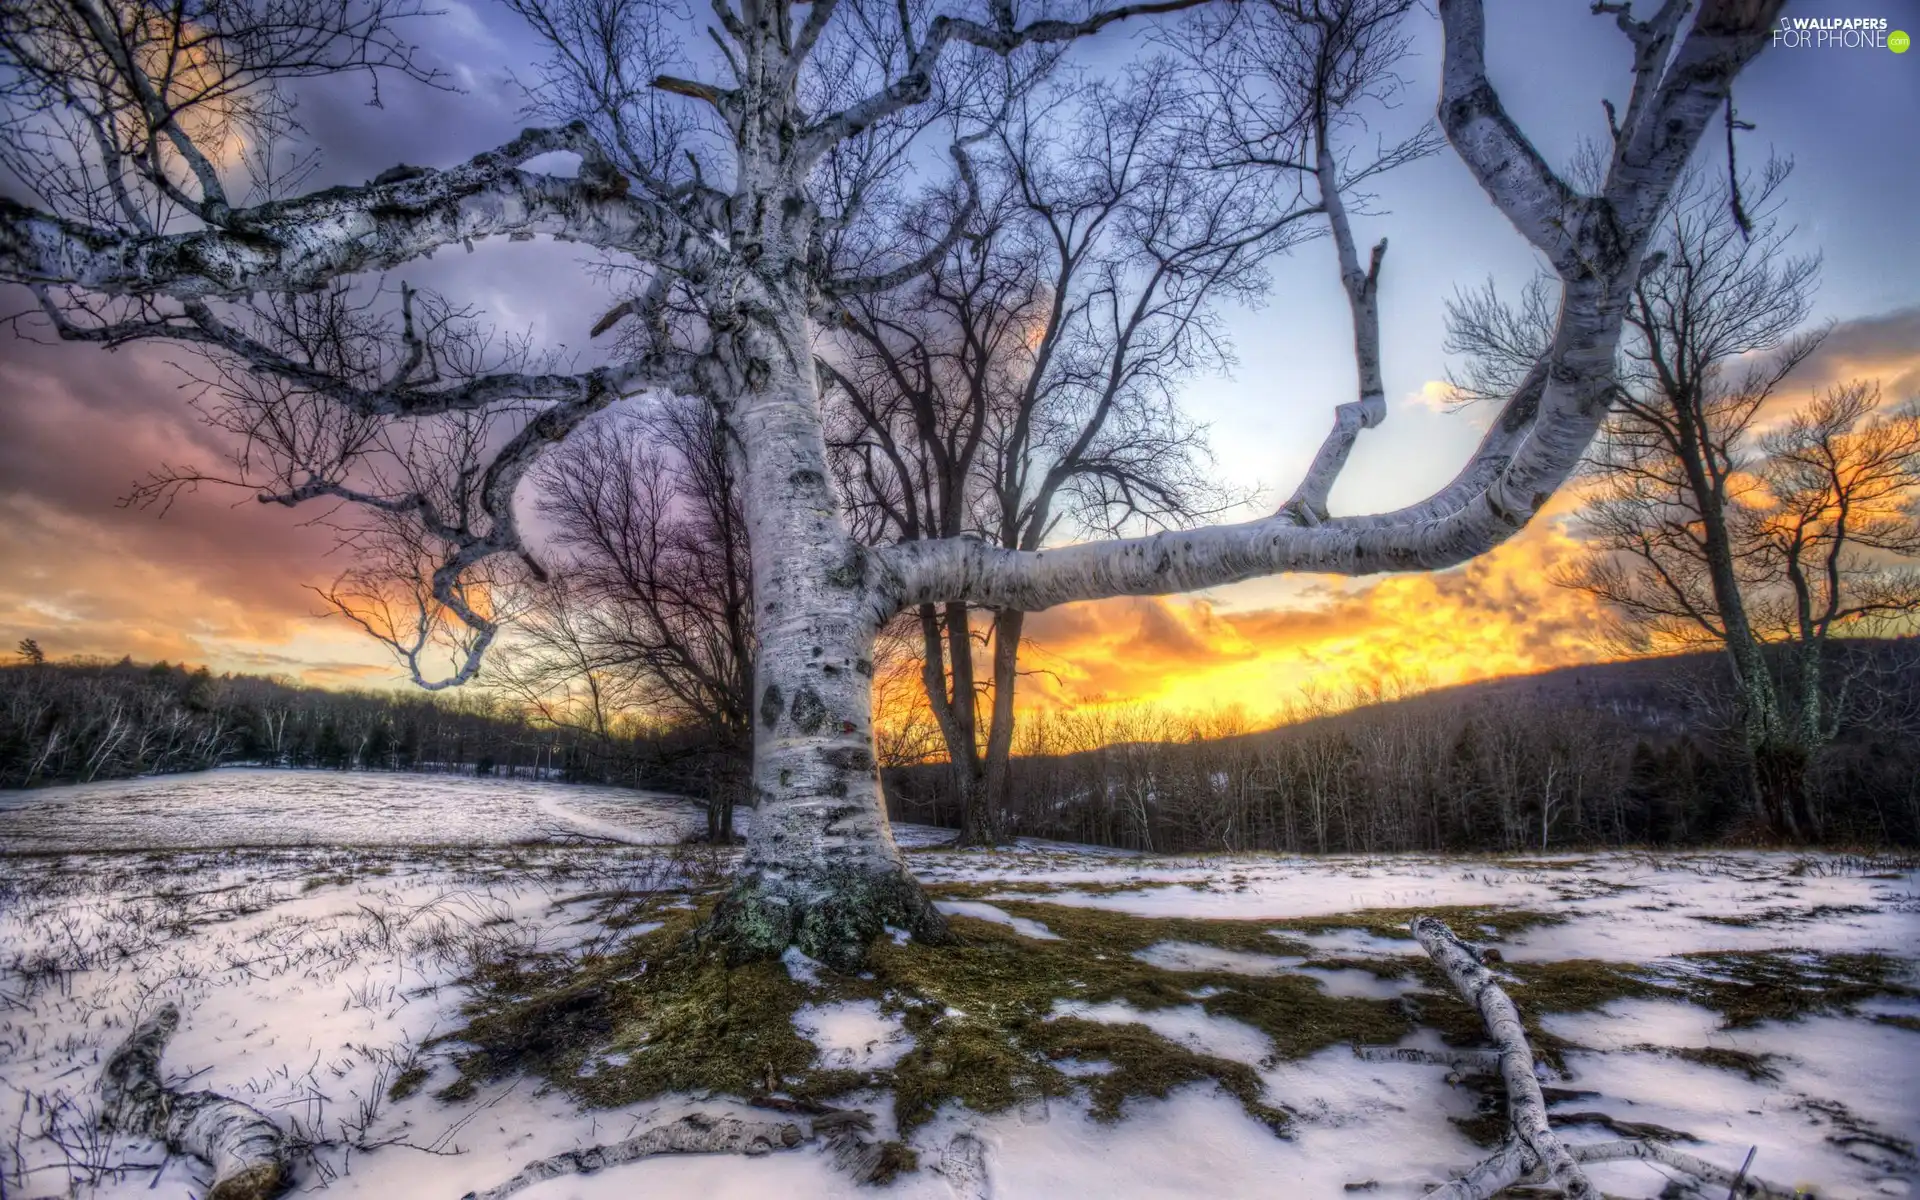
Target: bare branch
{"type": "Point", "coordinates": [298, 245]}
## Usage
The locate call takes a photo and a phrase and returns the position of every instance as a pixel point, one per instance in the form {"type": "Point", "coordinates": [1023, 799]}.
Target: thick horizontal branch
{"type": "Point", "coordinates": [1516, 469]}
{"type": "Point", "coordinates": [298, 245]}
{"type": "Point", "coordinates": [399, 395]}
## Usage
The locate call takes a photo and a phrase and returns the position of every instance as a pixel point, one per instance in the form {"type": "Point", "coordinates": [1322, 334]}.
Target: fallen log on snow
{"type": "Point", "coordinates": [695, 1133]}
{"type": "Point", "coordinates": [247, 1152]}
{"type": "Point", "coordinates": [1532, 1153]}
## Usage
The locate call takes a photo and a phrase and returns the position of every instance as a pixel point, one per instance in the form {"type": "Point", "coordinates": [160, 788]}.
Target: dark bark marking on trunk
{"type": "Point", "coordinates": [809, 711]}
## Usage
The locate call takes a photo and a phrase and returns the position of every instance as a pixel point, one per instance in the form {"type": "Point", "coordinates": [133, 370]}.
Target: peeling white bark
{"type": "Point", "coordinates": [823, 871]}
{"type": "Point", "coordinates": [246, 1151]}
{"type": "Point", "coordinates": [695, 1133]}
{"type": "Point", "coordinates": [1534, 1154]}
{"type": "Point", "coordinates": [1526, 1107]}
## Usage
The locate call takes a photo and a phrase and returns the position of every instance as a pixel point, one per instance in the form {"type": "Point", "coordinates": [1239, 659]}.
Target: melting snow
{"type": "Point", "coordinates": [987, 912]}
{"type": "Point", "coordinates": [854, 1033]}
{"type": "Point", "coordinates": [1189, 1025]}
{"type": "Point", "coordinates": [310, 978]}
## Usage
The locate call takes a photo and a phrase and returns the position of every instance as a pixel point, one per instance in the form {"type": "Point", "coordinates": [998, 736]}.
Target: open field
{"type": "Point", "coordinates": [1188, 1021]}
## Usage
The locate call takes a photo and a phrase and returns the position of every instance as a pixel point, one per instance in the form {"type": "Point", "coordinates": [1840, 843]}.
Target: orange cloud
{"type": "Point", "coordinates": [1498, 615]}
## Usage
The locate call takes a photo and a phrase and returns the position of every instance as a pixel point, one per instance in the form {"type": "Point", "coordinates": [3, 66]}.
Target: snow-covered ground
{"type": "Point", "coordinates": [252, 806]}
{"type": "Point", "coordinates": [264, 806]}
{"type": "Point", "coordinates": [312, 979]}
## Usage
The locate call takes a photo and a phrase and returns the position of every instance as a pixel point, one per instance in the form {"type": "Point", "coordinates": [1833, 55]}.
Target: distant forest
{"type": "Point", "coordinates": [1629, 753]}
{"type": "Point", "coordinates": [74, 722]}
{"type": "Point", "coordinates": [1641, 752]}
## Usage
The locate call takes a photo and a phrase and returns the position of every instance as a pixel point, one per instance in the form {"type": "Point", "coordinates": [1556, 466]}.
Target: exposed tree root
{"type": "Point", "coordinates": [1487, 1061]}
{"type": "Point", "coordinates": [695, 1133]}
{"type": "Point", "coordinates": [832, 915]}
{"type": "Point", "coordinates": [843, 1131]}
{"type": "Point", "coordinates": [1533, 1154]}
{"type": "Point", "coordinates": [247, 1152]}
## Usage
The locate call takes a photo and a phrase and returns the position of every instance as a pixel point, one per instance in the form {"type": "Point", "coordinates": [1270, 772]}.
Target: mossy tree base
{"type": "Point", "coordinates": [832, 915]}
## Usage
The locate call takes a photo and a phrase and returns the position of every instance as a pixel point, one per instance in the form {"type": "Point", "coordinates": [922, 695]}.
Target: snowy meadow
{"type": "Point", "coordinates": [1114, 1024]}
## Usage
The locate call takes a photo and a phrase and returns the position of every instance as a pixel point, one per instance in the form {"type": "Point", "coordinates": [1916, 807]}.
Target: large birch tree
{"type": "Point", "coordinates": [725, 197]}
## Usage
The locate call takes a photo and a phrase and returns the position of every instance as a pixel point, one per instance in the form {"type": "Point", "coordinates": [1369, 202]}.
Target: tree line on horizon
{"type": "Point", "coordinates": [1631, 753]}
{"type": "Point", "coordinates": [85, 720]}
{"type": "Point", "coordinates": [1641, 753]}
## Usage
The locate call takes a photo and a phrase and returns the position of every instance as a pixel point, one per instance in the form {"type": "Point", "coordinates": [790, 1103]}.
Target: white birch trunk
{"type": "Point", "coordinates": [822, 869]}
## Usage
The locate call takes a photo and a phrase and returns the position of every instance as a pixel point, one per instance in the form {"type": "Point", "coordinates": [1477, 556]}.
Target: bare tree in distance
{"type": "Point", "coordinates": [1704, 519]}
{"type": "Point", "coordinates": [1198, 178]}
{"type": "Point", "coordinates": [805, 109]}
{"type": "Point", "coordinates": [1025, 385]}
{"type": "Point", "coordinates": [647, 604]}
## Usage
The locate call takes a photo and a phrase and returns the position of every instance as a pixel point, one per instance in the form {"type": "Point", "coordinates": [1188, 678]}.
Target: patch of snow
{"type": "Point", "coordinates": [1188, 1025]}
{"type": "Point", "coordinates": [979, 911]}
{"type": "Point", "coordinates": [855, 1034]}
{"type": "Point", "coordinates": [801, 967]}
{"type": "Point", "coordinates": [245, 806]}
{"type": "Point", "coordinates": [306, 977]}
{"type": "Point", "coordinates": [562, 164]}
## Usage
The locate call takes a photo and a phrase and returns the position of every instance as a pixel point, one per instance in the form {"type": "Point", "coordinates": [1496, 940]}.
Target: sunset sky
{"type": "Point", "coordinates": [223, 581]}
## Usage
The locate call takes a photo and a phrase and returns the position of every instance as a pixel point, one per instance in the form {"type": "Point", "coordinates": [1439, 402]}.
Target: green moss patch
{"type": "Point", "coordinates": [1748, 987]}
{"type": "Point", "coordinates": [1757, 1067]}
{"type": "Point", "coordinates": [656, 1012]}
{"type": "Point", "coordinates": [1475, 923]}
{"type": "Point", "coordinates": [660, 1014]}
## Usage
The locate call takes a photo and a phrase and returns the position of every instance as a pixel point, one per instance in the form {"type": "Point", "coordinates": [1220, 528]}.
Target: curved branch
{"type": "Point", "coordinates": [1538, 202]}
{"type": "Point", "coordinates": [300, 244]}
{"type": "Point", "coordinates": [888, 280]}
